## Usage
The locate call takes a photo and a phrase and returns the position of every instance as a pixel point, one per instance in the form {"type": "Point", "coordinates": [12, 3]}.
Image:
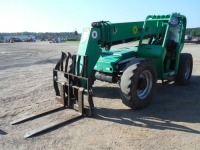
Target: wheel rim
{"type": "Point", "coordinates": [187, 70]}
{"type": "Point", "coordinates": [144, 89]}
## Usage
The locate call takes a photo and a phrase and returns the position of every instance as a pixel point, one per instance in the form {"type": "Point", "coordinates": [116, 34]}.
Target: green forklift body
{"type": "Point", "coordinates": [153, 35]}
{"type": "Point", "coordinates": [159, 29]}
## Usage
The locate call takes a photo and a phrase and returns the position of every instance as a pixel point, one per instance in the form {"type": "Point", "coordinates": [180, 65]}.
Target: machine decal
{"type": "Point", "coordinates": [94, 34]}
{"type": "Point", "coordinates": [85, 35]}
{"type": "Point", "coordinates": [135, 29]}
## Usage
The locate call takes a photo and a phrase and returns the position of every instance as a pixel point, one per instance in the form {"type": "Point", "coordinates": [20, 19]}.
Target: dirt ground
{"type": "Point", "coordinates": [172, 121]}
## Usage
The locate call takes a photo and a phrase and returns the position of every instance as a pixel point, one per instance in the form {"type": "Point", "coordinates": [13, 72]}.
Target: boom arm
{"type": "Point", "coordinates": [103, 35]}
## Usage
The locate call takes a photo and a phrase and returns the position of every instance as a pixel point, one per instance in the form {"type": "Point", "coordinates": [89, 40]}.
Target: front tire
{"type": "Point", "coordinates": [137, 85]}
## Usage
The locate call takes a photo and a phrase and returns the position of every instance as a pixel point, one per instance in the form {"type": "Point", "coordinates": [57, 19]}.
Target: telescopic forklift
{"type": "Point", "coordinates": [136, 69]}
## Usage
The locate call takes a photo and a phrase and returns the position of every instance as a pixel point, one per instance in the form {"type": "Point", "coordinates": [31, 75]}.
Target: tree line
{"type": "Point", "coordinates": [42, 36]}
{"type": "Point", "coordinates": [194, 32]}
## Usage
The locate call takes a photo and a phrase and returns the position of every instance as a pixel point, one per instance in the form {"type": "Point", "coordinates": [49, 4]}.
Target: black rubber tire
{"type": "Point", "coordinates": [184, 69]}
{"type": "Point", "coordinates": [131, 79]}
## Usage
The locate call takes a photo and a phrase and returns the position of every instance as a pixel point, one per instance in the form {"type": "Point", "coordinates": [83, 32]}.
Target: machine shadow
{"type": "Point", "coordinates": [172, 104]}
{"type": "Point", "coordinates": [106, 92]}
{"type": "Point", "coordinates": [21, 65]}
{"type": "Point", "coordinates": [2, 132]}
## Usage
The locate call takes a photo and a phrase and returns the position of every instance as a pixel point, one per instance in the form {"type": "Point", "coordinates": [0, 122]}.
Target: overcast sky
{"type": "Point", "coordinates": [68, 15]}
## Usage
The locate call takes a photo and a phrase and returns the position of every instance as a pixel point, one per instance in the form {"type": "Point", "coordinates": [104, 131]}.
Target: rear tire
{"type": "Point", "coordinates": [184, 69]}
{"type": "Point", "coordinates": [137, 85]}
